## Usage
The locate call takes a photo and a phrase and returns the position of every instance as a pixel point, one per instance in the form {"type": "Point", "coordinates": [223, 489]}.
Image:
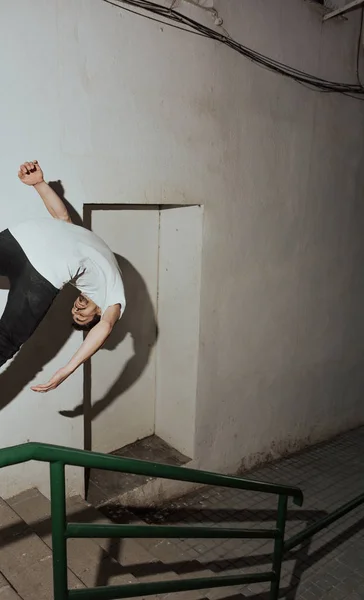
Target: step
{"type": "Point", "coordinates": [183, 566]}
{"type": "Point", "coordinates": [136, 555]}
{"type": "Point", "coordinates": [105, 486]}
{"type": "Point", "coordinates": [91, 562]}
{"type": "Point", "coordinates": [26, 561]}
{"type": "Point", "coordinates": [94, 562]}
{"type": "Point", "coordinates": [86, 559]}
{"type": "Point", "coordinates": [165, 552]}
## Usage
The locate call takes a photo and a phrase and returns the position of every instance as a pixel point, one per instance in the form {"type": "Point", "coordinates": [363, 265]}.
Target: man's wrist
{"type": "Point", "coordinates": [69, 369]}
{"type": "Point", "coordinates": [39, 185]}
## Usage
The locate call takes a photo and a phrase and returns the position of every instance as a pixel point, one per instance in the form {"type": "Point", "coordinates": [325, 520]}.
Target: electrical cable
{"type": "Point", "coordinates": [359, 48]}
{"type": "Point", "coordinates": [179, 21]}
{"type": "Point", "coordinates": [134, 12]}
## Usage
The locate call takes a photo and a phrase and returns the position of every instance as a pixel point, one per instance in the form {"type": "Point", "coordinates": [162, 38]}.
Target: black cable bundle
{"type": "Point", "coordinates": [311, 81]}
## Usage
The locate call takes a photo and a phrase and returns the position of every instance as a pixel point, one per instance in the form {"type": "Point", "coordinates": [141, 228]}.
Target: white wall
{"type": "Point", "coordinates": [126, 110]}
{"type": "Point", "coordinates": [179, 291]}
{"type": "Point", "coordinates": [123, 373]}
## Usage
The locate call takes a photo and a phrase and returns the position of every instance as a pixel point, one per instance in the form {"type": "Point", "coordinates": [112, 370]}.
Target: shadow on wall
{"type": "Point", "coordinates": [139, 320]}
{"type": "Point", "coordinates": [40, 349]}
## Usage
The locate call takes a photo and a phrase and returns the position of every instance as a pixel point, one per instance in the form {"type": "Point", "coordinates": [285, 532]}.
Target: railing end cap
{"type": "Point", "coordinates": [298, 498]}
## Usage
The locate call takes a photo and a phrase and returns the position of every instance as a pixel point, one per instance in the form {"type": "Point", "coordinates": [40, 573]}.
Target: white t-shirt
{"type": "Point", "coordinates": [65, 253]}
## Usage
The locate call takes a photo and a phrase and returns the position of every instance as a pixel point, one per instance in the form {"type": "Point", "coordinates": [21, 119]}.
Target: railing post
{"type": "Point", "coordinates": [59, 540]}
{"type": "Point", "coordinates": [279, 547]}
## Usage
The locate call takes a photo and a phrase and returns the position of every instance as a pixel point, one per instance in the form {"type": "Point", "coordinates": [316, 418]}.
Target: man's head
{"type": "Point", "coordinates": [85, 314]}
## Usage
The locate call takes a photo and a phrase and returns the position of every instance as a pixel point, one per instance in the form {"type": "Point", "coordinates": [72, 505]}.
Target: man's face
{"type": "Point", "coordinates": [84, 310]}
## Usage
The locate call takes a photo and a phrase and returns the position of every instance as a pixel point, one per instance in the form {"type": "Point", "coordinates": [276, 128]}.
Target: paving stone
{"type": "Point", "coordinates": [11, 525]}
{"type": "Point", "coordinates": [8, 593]}
{"type": "Point", "coordinates": [25, 560]}
{"type": "Point", "coordinates": [36, 582]}
{"type": "Point", "coordinates": [128, 552]}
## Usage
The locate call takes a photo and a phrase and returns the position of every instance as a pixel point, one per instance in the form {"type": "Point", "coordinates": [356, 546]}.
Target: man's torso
{"type": "Point", "coordinates": [62, 253]}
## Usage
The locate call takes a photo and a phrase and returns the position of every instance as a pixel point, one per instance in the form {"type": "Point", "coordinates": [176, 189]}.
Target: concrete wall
{"type": "Point", "coordinates": [125, 110]}
{"type": "Point", "coordinates": [179, 292]}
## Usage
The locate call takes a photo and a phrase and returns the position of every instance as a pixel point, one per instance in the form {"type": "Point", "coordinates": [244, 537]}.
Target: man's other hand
{"type": "Point", "coordinates": [53, 383]}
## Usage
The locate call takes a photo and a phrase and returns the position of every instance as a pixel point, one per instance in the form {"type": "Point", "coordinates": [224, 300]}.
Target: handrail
{"type": "Point", "coordinates": [58, 457]}
{"type": "Point", "coordinates": [93, 460]}
{"type": "Point", "coordinates": [322, 523]}
{"type": "Point", "coordinates": [133, 590]}
{"type": "Point", "coordinates": [86, 530]}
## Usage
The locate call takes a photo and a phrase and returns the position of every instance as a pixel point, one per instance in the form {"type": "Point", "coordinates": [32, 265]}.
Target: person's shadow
{"type": "Point", "coordinates": [48, 339]}
{"type": "Point", "coordinates": [139, 320]}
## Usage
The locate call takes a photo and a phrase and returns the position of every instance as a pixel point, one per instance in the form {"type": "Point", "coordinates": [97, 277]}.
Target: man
{"type": "Point", "coordinates": [39, 257]}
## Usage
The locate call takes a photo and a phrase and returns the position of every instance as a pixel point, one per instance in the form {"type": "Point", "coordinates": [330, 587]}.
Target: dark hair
{"type": "Point", "coordinates": [86, 326]}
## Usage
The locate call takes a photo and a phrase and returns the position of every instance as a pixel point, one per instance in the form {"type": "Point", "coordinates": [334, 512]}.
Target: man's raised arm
{"type": "Point", "coordinates": [30, 173]}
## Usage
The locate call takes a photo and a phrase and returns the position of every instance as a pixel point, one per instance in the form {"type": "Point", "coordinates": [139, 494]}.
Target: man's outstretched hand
{"type": "Point", "coordinates": [53, 383]}
{"type": "Point", "coordinates": [30, 173]}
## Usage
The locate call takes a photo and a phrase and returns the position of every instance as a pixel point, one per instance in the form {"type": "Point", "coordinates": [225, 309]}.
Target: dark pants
{"type": "Point", "coordinates": [29, 299]}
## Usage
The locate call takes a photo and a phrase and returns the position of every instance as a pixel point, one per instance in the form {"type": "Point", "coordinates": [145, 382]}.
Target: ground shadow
{"type": "Point", "coordinates": [40, 349]}
{"type": "Point", "coordinates": [48, 339]}
{"type": "Point", "coordinates": [304, 558]}
{"type": "Point", "coordinates": [57, 186]}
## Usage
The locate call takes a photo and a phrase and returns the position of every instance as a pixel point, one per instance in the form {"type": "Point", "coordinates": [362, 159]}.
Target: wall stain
{"type": "Point", "coordinates": [277, 451]}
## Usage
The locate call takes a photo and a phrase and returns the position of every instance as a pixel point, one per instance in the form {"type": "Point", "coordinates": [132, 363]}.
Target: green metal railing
{"type": "Point", "coordinates": [59, 457]}
{"type": "Point", "coordinates": [322, 523]}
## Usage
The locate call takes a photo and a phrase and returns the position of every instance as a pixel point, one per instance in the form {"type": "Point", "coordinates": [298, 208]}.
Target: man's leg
{"type": "Point", "coordinates": [29, 299]}
{"type": "Point", "coordinates": [12, 256]}
{"type": "Point", "coordinates": [10, 267]}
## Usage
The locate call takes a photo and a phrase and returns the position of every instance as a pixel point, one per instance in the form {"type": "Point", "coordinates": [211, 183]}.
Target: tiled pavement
{"type": "Point", "coordinates": [330, 566]}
